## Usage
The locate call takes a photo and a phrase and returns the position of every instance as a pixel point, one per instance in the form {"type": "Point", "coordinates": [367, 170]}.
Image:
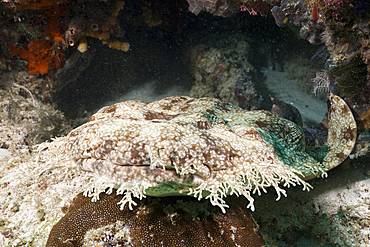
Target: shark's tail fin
{"type": "Point", "coordinates": [342, 131]}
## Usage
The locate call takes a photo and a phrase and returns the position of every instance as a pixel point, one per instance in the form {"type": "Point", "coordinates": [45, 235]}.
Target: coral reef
{"type": "Point", "coordinates": [94, 22]}
{"type": "Point", "coordinates": [263, 7]}
{"type": "Point", "coordinates": [345, 32]}
{"type": "Point", "coordinates": [222, 73]}
{"type": "Point", "coordinates": [104, 31]}
{"type": "Point", "coordinates": [343, 27]}
{"type": "Point", "coordinates": [154, 222]}
{"type": "Point", "coordinates": [132, 153]}
{"type": "Point", "coordinates": [298, 12]}
{"type": "Point", "coordinates": [228, 7]}
{"type": "Point", "coordinates": [348, 80]}
{"type": "Point", "coordinates": [25, 121]}
{"type": "Point", "coordinates": [289, 12]}
{"type": "Point", "coordinates": [349, 77]}
{"type": "Point", "coordinates": [216, 7]}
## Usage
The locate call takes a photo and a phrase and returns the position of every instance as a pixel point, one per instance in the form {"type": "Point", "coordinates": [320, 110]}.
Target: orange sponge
{"type": "Point", "coordinates": [39, 56]}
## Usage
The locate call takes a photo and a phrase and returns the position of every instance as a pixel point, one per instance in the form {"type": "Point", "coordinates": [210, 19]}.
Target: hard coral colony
{"type": "Point", "coordinates": [198, 147]}
{"type": "Point", "coordinates": [154, 222]}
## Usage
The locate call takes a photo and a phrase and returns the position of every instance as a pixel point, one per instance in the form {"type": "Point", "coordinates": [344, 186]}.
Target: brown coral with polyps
{"type": "Point", "coordinates": [178, 221]}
